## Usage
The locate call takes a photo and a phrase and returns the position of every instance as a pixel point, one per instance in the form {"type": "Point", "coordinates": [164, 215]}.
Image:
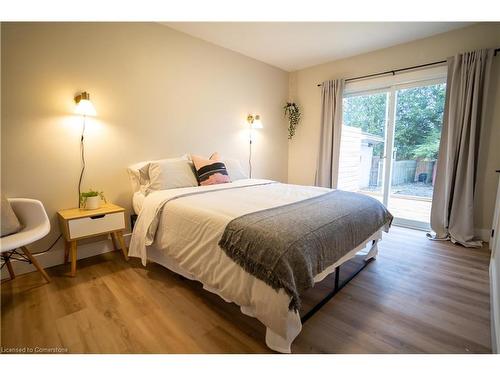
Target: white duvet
{"type": "Point", "coordinates": [185, 225]}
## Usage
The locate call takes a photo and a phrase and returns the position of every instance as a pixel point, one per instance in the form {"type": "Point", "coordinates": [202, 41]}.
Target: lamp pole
{"type": "Point", "coordinates": [250, 151]}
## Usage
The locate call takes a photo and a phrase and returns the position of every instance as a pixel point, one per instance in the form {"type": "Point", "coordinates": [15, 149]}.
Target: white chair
{"type": "Point", "coordinates": [36, 225]}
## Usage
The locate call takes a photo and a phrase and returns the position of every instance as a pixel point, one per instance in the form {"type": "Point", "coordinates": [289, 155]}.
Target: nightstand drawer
{"type": "Point", "coordinates": [88, 226]}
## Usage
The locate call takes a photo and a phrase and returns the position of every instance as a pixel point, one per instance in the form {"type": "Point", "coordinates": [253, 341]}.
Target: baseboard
{"type": "Point", "coordinates": [483, 234]}
{"type": "Point", "coordinates": [55, 256]}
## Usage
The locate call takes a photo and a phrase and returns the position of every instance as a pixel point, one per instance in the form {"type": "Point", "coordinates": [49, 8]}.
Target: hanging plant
{"type": "Point", "coordinates": [293, 112]}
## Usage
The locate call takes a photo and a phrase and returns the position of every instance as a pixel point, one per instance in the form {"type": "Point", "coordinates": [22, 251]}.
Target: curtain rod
{"type": "Point", "coordinates": [393, 72]}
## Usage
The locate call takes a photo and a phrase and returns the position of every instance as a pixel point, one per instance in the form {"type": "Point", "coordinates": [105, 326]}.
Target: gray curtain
{"type": "Point", "coordinates": [331, 127]}
{"type": "Point", "coordinates": [452, 213]}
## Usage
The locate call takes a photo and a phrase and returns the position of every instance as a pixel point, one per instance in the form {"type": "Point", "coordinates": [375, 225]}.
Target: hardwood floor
{"type": "Point", "coordinates": [419, 296]}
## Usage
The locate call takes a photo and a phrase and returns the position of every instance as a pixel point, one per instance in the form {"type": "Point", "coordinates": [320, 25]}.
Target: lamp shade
{"type": "Point", "coordinates": [257, 123]}
{"type": "Point", "coordinates": [84, 106]}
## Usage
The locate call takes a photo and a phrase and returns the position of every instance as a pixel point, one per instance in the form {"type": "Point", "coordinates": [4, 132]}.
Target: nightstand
{"type": "Point", "coordinates": [77, 224]}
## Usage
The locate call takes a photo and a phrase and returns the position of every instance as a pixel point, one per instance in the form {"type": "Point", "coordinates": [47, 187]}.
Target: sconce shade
{"type": "Point", "coordinates": [257, 124]}
{"type": "Point", "coordinates": [254, 121]}
{"type": "Point", "coordinates": [84, 106]}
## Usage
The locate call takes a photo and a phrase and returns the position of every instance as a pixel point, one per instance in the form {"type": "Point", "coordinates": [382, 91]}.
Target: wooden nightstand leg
{"type": "Point", "coordinates": [73, 258]}
{"type": "Point", "coordinates": [66, 251]}
{"type": "Point", "coordinates": [116, 246]}
{"type": "Point", "coordinates": [119, 238]}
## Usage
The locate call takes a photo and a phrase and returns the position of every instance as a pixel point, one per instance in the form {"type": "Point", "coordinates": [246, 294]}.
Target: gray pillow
{"type": "Point", "coordinates": [10, 222]}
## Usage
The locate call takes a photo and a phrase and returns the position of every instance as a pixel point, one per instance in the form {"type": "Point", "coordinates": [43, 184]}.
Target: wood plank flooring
{"type": "Point", "coordinates": [419, 296]}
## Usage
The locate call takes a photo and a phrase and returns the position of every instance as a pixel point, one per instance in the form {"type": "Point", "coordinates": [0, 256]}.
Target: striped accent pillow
{"type": "Point", "coordinates": [210, 171]}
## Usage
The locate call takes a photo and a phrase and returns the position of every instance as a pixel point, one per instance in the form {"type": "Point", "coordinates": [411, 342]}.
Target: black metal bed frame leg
{"type": "Point", "coordinates": [336, 288]}
{"type": "Point", "coordinates": [337, 278]}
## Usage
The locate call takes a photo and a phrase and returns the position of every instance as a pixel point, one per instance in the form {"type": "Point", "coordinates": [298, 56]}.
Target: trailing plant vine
{"type": "Point", "coordinates": [292, 111]}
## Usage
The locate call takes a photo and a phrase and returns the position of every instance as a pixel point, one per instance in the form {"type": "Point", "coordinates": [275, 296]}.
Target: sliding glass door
{"type": "Point", "coordinates": [363, 143]}
{"type": "Point", "coordinates": [417, 132]}
{"type": "Point", "coordinates": [389, 146]}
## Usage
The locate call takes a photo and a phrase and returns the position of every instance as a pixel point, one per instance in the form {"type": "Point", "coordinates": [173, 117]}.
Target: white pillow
{"type": "Point", "coordinates": [135, 175]}
{"type": "Point", "coordinates": [139, 173]}
{"type": "Point", "coordinates": [234, 169]}
{"type": "Point", "coordinates": [170, 174]}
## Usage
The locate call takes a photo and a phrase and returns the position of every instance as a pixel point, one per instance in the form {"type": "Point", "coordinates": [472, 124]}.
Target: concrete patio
{"type": "Point", "coordinates": [406, 206]}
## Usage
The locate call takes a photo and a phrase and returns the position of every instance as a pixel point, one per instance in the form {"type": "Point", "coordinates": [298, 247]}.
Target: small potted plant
{"type": "Point", "coordinates": [91, 200]}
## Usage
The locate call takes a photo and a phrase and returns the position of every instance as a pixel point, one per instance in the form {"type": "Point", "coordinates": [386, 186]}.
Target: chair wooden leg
{"type": "Point", "coordinates": [9, 267]}
{"type": "Point", "coordinates": [35, 263]}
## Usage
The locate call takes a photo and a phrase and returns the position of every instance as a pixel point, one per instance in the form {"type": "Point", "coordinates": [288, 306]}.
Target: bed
{"type": "Point", "coordinates": [181, 229]}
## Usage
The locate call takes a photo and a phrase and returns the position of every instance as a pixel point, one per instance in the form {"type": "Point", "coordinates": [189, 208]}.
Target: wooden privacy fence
{"type": "Point", "coordinates": [403, 172]}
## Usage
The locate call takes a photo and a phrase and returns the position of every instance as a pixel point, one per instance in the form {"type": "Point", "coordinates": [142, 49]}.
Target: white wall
{"type": "Point", "coordinates": [303, 149]}
{"type": "Point", "coordinates": [158, 93]}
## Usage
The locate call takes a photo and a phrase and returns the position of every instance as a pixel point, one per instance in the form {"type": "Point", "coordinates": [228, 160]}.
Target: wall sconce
{"type": "Point", "coordinates": [254, 123]}
{"type": "Point", "coordinates": [84, 107]}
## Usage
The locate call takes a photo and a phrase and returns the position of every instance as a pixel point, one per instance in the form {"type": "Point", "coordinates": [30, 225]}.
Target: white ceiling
{"type": "Point", "coordinates": [296, 45]}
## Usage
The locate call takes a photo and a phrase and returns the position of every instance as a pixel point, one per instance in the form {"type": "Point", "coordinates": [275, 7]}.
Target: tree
{"type": "Point", "coordinates": [366, 112]}
{"type": "Point", "coordinates": [428, 150]}
{"type": "Point", "coordinates": [419, 117]}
